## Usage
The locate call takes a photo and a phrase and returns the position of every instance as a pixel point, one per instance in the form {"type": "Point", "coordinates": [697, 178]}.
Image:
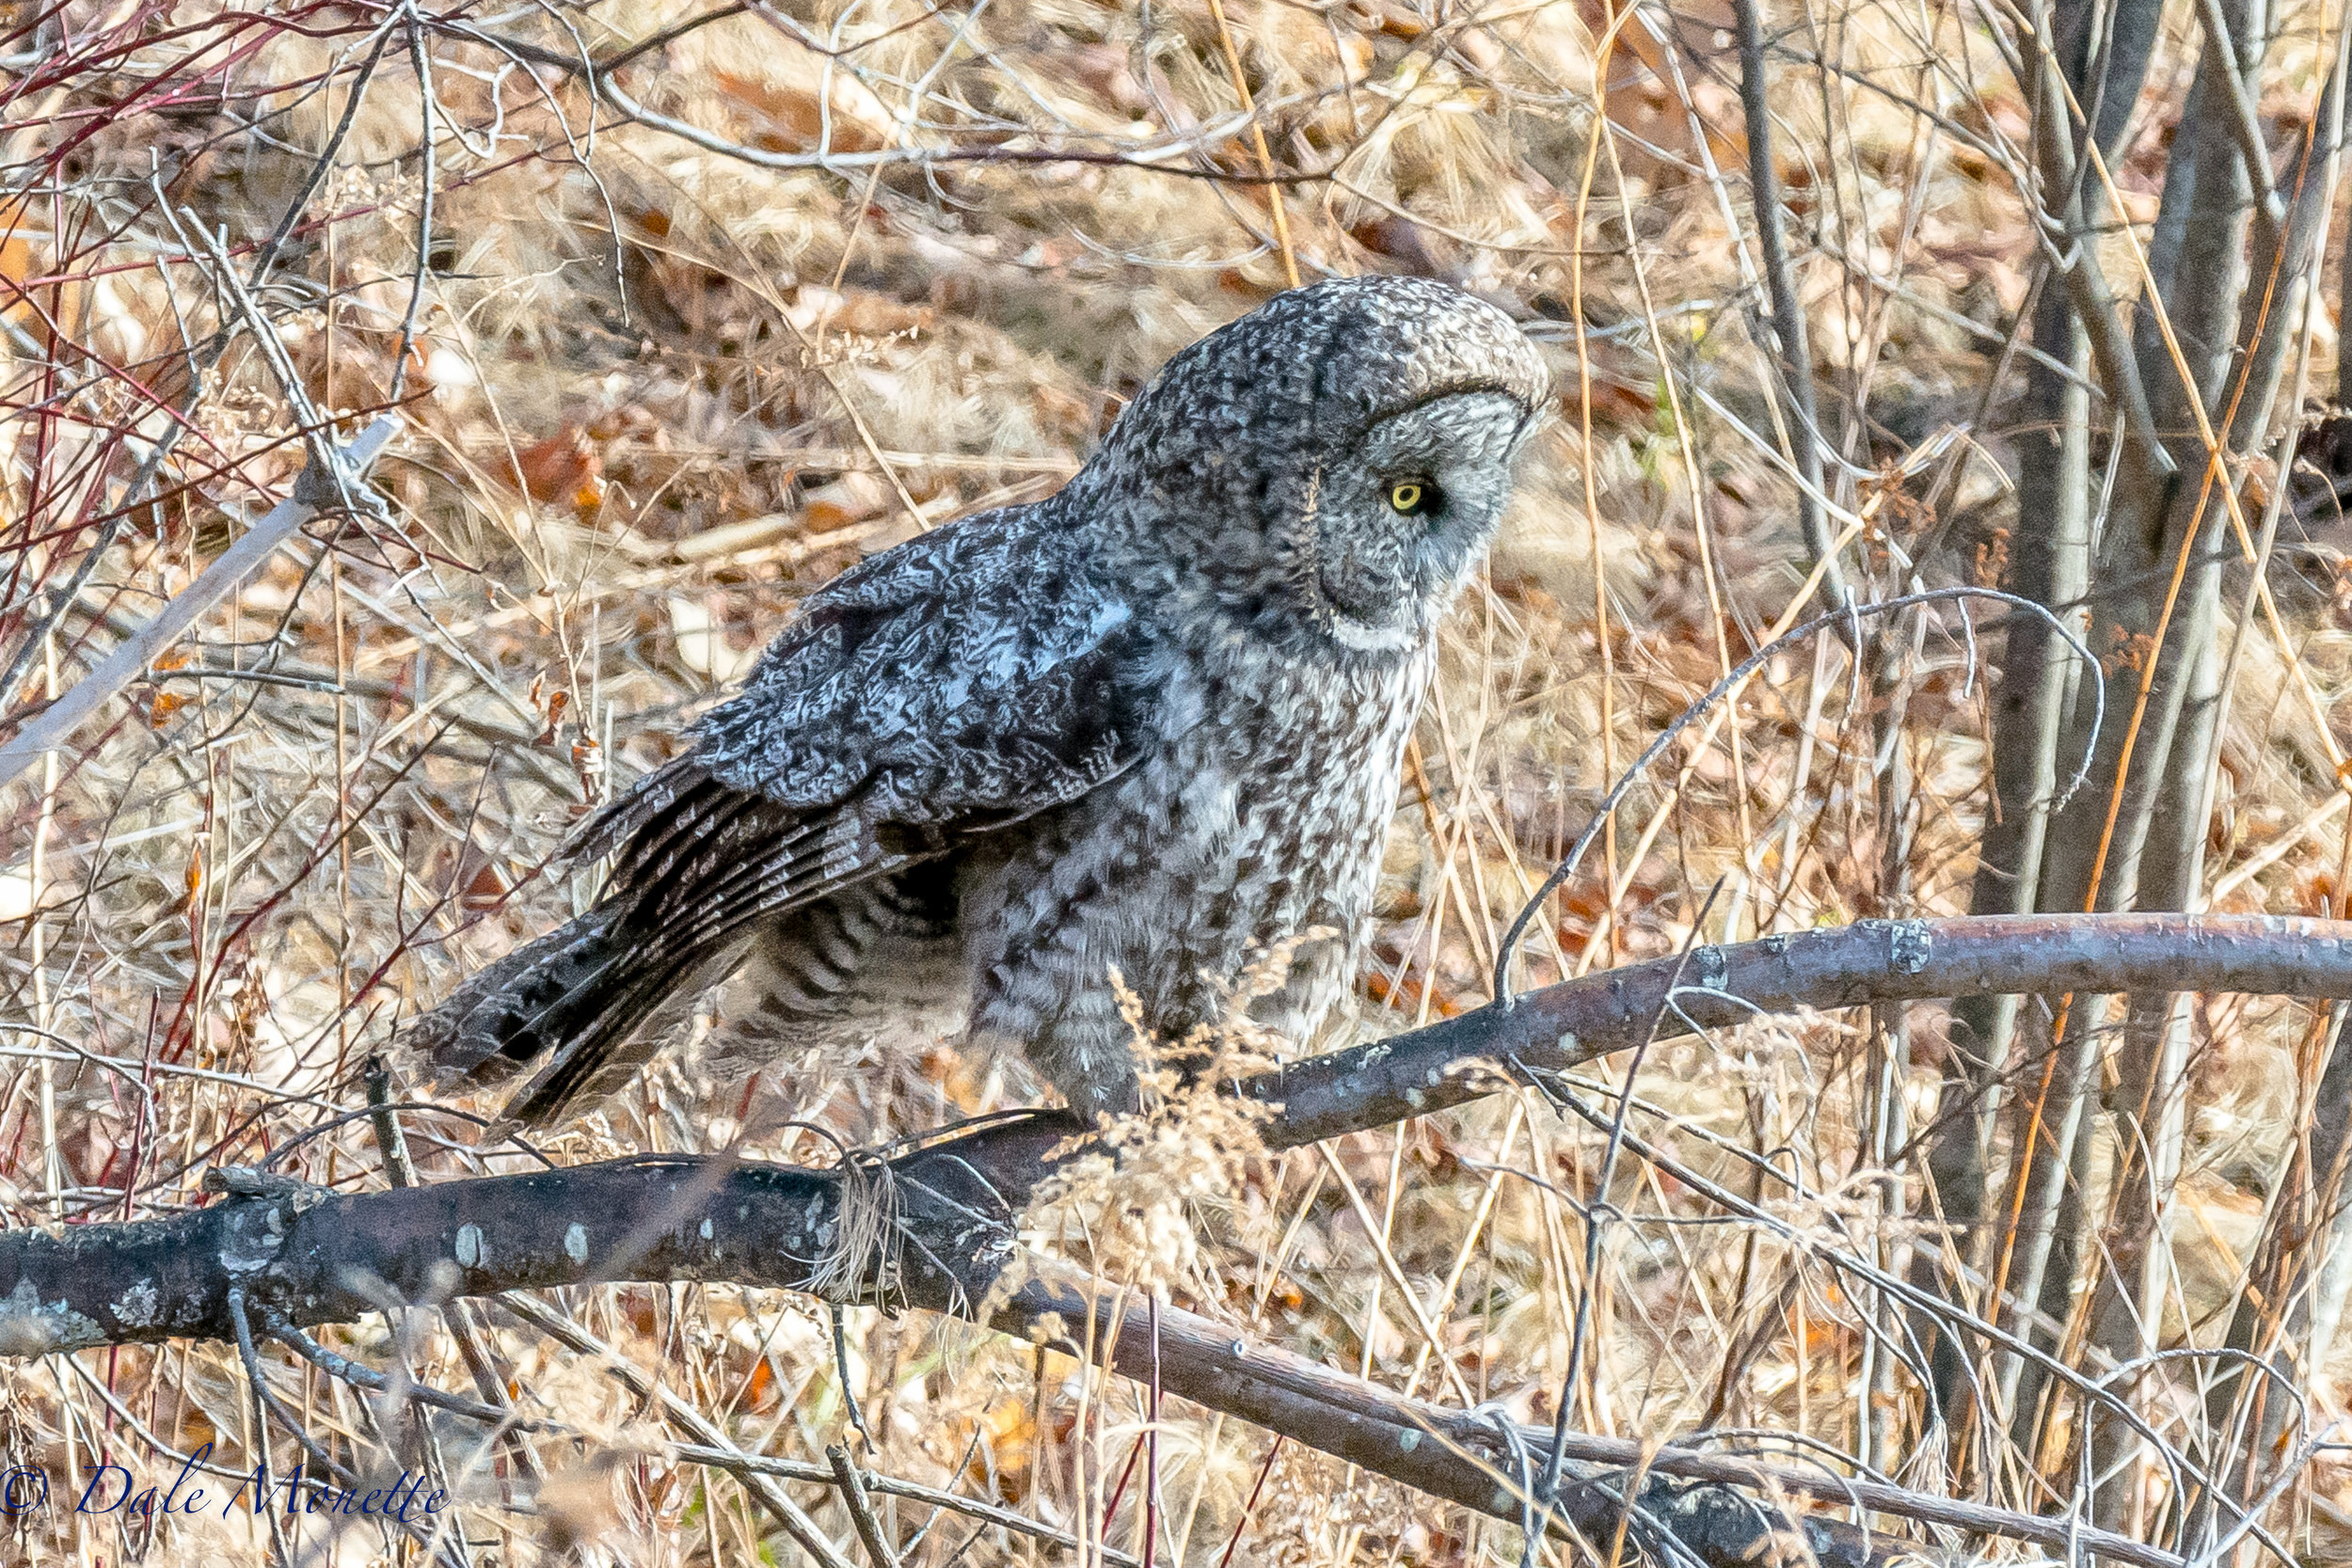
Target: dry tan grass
{"type": "Point", "coordinates": [666, 391]}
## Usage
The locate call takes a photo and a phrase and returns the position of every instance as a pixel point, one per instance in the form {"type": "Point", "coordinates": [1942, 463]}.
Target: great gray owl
{"type": "Point", "coordinates": [1150, 725]}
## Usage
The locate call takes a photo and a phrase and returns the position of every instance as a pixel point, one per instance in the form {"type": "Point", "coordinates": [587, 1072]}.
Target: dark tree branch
{"type": "Point", "coordinates": [158, 1279]}
{"type": "Point", "coordinates": [323, 1258]}
{"type": "Point", "coordinates": [304, 1256]}
{"type": "Point", "coordinates": [1873, 960]}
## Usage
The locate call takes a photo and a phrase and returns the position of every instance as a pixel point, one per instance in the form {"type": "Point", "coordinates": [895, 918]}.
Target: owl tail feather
{"type": "Point", "coordinates": [571, 1008]}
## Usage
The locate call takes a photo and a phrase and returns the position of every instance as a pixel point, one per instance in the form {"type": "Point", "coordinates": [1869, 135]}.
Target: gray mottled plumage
{"type": "Point", "coordinates": [1151, 724]}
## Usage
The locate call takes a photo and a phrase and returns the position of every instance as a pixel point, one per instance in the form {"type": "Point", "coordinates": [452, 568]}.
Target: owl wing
{"type": "Point", "coordinates": [955, 685]}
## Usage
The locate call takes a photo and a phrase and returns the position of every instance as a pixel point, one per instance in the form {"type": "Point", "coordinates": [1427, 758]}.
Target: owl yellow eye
{"type": "Point", "coordinates": [1412, 497]}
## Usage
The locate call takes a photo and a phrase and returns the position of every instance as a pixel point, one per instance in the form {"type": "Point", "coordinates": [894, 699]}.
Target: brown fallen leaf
{"type": "Point", "coordinates": [564, 469]}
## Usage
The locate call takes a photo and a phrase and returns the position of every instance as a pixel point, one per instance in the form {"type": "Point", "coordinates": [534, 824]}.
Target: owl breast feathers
{"type": "Point", "coordinates": [1147, 727]}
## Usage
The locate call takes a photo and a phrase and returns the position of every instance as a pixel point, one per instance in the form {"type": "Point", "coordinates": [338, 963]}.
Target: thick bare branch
{"type": "Point", "coordinates": [323, 1258]}
{"type": "Point", "coordinates": [1872, 961]}
{"type": "Point", "coordinates": [306, 1256]}
{"type": "Point", "coordinates": [160, 1279]}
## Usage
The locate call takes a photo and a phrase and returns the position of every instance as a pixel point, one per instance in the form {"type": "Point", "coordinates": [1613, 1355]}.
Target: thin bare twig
{"type": "Point", "coordinates": [312, 493]}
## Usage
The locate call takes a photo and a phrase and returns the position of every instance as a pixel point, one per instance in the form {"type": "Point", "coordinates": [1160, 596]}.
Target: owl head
{"type": "Point", "coordinates": [1326, 471]}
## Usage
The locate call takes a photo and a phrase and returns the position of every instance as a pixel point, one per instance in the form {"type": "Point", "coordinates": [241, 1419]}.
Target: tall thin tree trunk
{"type": "Point", "coordinates": [2275, 1320]}
{"type": "Point", "coordinates": [2034, 695]}
{"type": "Point", "coordinates": [2127, 1308]}
{"type": "Point", "coordinates": [1890, 1049]}
{"type": "Point", "coordinates": [2050, 564]}
{"type": "Point", "coordinates": [2048, 1114]}
{"type": "Point", "coordinates": [2154, 619]}
{"type": "Point", "coordinates": [2127, 1305]}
